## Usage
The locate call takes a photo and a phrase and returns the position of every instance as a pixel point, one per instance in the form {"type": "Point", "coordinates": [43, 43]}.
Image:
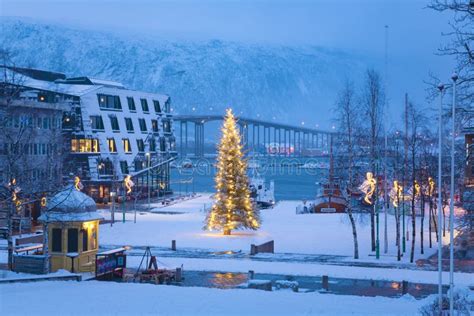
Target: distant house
{"type": "Point", "coordinates": [107, 130]}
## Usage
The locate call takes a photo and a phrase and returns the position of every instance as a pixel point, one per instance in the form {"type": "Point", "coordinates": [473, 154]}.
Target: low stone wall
{"type": "Point", "coordinates": [265, 285]}
{"type": "Point", "coordinates": [268, 247]}
{"type": "Point", "coordinates": [34, 264]}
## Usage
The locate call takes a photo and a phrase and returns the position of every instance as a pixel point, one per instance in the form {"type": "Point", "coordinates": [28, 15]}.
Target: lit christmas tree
{"type": "Point", "coordinates": [232, 208]}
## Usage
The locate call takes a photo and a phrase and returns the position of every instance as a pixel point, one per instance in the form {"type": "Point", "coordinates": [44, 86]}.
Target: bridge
{"type": "Point", "coordinates": [258, 136]}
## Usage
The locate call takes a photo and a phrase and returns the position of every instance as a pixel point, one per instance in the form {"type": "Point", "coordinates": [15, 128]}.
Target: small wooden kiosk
{"type": "Point", "coordinates": [71, 224]}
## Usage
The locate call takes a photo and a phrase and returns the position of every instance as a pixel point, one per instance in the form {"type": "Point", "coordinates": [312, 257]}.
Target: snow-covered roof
{"type": "Point", "coordinates": [108, 83]}
{"type": "Point", "coordinates": [69, 89]}
{"type": "Point", "coordinates": [70, 205]}
{"type": "Point", "coordinates": [69, 217]}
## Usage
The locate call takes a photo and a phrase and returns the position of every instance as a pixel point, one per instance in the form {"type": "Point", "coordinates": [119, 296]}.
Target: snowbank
{"type": "Point", "coordinates": [107, 298]}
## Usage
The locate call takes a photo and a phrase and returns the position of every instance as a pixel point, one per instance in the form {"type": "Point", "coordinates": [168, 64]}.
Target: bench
{"type": "Point", "coordinates": [28, 248]}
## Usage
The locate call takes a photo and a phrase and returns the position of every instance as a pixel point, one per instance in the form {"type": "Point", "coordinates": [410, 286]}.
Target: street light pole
{"type": "Point", "coordinates": [440, 239]}
{"type": "Point", "coordinates": [148, 179]}
{"type": "Point", "coordinates": [385, 187]}
{"type": "Point", "coordinates": [454, 77]}
{"type": "Point", "coordinates": [376, 206]}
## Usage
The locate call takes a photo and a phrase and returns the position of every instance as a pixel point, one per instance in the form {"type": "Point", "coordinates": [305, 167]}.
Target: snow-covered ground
{"type": "Point", "coordinates": [324, 234]}
{"type": "Point", "coordinates": [108, 298]}
{"type": "Point", "coordinates": [328, 234]}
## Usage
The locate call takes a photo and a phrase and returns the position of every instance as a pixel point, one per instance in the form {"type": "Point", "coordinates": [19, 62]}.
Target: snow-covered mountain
{"type": "Point", "coordinates": [286, 82]}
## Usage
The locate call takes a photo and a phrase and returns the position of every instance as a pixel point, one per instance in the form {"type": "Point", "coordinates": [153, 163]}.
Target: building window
{"type": "Point", "coordinates": [138, 165]}
{"type": "Point", "coordinates": [144, 103]}
{"type": "Point", "coordinates": [154, 125]}
{"type": "Point", "coordinates": [126, 145]}
{"type": "Point", "coordinates": [97, 123]}
{"type": "Point", "coordinates": [131, 104]}
{"type": "Point", "coordinates": [72, 240]}
{"type": "Point", "coordinates": [85, 145]}
{"type": "Point", "coordinates": [85, 240]}
{"type": "Point", "coordinates": [114, 123]}
{"type": "Point", "coordinates": [166, 126]}
{"type": "Point", "coordinates": [112, 146]}
{"type": "Point", "coordinates": [157, 106]}
{"type": "Point", "coordinates": [124, 167]}
{"type": "Point", "coordinates": [129, 124]}
{"type": "Point", "coordinates": [142, 124]}
{"type": "Point", "coordinates": [109, 102]}
{"type": "Point", "coordinates": [152, 143]}
{"type": "Point", "coordinates": [140, 145]}
{"type": "Point", "coordinates": [172, 144]}
{"type": "Point", "coordinates": [162, 144]}
{"type": "Point", "coordinates": [57, 241]}
{"type": "Point", "coordinates": [105, 167]}
{"type": "Point", "coordinates": [168, 105]}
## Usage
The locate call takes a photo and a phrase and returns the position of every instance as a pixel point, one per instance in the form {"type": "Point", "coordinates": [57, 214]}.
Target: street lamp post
{"type": "Point", "coordinates": [454, 77]}
{"type": "Point", "coordinates": [148, 155]}
{"type": "Point", "coordinates": [376, 207]}
{"type": "Point", "coordinates": [440, 240]}
{"type": "Point", "coordinates": [112, 208]}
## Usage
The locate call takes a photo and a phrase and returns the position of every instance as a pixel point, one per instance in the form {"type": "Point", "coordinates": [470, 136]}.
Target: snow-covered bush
{"type": "Point", "coordinates": [463, 303]}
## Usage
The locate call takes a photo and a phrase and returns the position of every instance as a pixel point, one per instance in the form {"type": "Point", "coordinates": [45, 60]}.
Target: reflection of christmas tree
{"type": "Point", "coordinates": [232, 208]}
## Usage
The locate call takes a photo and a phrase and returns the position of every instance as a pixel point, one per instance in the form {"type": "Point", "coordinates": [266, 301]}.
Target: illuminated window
{"type": "Point", "coordinates": [109, 102]}
{"type": "Point", "coordinates": [166, 126]}
{"type": "Point", "coordinates": [154, 125]}
{"type": "Point", "coordinates": [85, 145]}
{"type": "Point", "coordinates": [112, 146]}
{"type": "Point", "coordinates": [126, 145]}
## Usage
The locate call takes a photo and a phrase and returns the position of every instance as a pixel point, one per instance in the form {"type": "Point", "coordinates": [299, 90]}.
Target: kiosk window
{"type": "Point", "coordinates": [57, 240]}
{"type": "Point", "coordinates": [72, 240]}
{"type": "Point", "coordinates": [85, 240]}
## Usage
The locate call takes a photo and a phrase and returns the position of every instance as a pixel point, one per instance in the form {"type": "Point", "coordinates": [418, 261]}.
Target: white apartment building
{"type": "Point", "coordinates": [109, 131]}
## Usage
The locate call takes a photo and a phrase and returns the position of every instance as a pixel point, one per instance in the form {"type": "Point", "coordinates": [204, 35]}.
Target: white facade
{"type": "Point", "coordinates": [102, 114]}
{"type": "Point", "coordinates": [90, 108]}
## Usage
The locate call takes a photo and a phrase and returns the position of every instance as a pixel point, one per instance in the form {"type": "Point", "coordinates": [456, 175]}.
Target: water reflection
{"type": "Point", "coordinates": [227, 280]}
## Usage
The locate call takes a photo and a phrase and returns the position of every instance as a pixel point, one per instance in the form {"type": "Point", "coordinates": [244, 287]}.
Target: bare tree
{"type": "Point", "coordinates": [397, 189]}
{"type": "Point", "coordinates": [415, 123]}
{"type": "Point", "coordinates": [461, 48]}
{"type": "Point", "coordinates": [30, 147]}
{"type": "Point", "coordinates": [348, 124]}
{"type": "Point", "coordinates": [372, 102]}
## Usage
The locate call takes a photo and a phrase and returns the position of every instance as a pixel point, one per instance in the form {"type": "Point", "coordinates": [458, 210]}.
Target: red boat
{"type": "Point", "coordinates": [331, 199]}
